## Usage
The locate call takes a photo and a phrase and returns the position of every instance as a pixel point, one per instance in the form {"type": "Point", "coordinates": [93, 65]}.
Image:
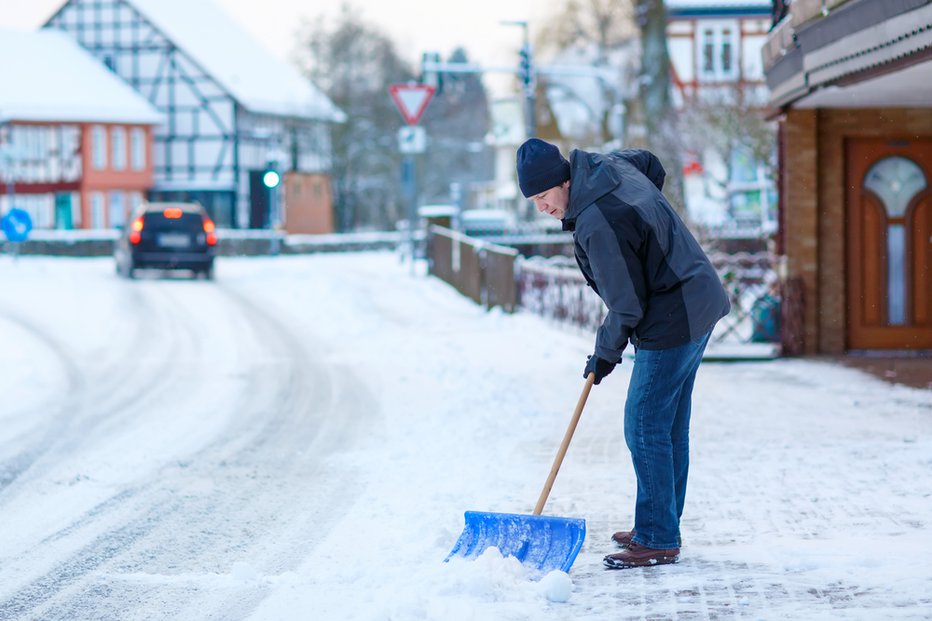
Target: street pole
{"type": "Point", "coordinates": [410, 191]}
{"type": "Point", "coordinates": [411, 99]}
{"type": "Point", "coordinates": [526, 71]}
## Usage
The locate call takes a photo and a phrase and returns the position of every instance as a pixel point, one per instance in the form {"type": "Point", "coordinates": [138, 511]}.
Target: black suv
{"type": "Point", "coordinates": [168, 236]}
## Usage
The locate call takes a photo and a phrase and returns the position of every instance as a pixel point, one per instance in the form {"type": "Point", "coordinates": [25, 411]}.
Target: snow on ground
{"type": "Point", "coordinates": [810, 491]}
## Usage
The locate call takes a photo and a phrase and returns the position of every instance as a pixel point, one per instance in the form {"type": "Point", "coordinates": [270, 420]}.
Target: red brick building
{"type": "Point", "coordinates": [75, 141]}
{"type": "Point", "coordinates": [851, 85]}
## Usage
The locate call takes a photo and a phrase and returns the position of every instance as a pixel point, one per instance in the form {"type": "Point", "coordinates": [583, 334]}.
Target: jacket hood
{"type": "Point", "coordinates": [592, 176]}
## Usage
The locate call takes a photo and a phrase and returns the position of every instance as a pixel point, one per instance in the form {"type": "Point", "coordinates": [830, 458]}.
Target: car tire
{"type": "Point", "coordinates": [124, 270]}
{"type": "Point", "coordinates": [208, 272]}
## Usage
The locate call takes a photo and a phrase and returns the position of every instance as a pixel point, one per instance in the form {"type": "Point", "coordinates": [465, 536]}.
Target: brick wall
{"type": "Point", "coordinates": [800, 202]}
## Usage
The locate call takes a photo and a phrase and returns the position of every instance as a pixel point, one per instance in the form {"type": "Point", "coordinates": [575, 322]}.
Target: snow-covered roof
{"type": "Point", "coordinates": [53, 79]}
{"type": "Point", "coordinates": [252, 74]}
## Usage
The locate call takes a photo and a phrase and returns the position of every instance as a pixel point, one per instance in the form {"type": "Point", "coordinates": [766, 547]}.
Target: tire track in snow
{"type": "Point", "coordinates": [101, 394]}
{"type": "Point", "coordinates": [29, 602]}
{"type": "Point", "coordinates": [268, 450]}
{"type": "Point", "coordinates": [281, 497]}
{"type": "Point", "coordinates": [96, 410]}
{"type": "Point", "coordinates": [30, 446]}
{"type": "Point", "coordinates": [96, 390]}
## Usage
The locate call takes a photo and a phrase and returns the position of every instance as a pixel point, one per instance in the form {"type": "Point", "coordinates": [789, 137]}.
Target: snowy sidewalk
{"type": "Point", "coordinates": [810, 497]}
{"type": "Point", "coordinates": [810, 492]}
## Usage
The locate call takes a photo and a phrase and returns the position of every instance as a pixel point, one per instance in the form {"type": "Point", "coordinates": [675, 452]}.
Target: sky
{"type": "Point", "coordinates": [299, 439]}
{"type": "Point", "coordinates": [416, 26]}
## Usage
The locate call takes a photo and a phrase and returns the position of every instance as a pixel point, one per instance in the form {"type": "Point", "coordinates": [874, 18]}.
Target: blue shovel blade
{"type": "Point", "coordinates": [542, 542]}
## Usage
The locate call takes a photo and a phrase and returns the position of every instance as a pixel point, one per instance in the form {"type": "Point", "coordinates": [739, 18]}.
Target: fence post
{"type": "Point", "coordinates": [483, 276]}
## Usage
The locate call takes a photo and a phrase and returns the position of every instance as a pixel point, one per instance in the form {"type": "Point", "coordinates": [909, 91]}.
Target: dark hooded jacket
{"type": "Point", "coordinates": [635, 252]}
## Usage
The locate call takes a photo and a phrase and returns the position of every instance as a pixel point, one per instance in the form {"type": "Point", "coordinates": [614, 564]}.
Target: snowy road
{"type": "Point", "coordinates": [300, 438]}
{"type": "Point", "coordinates": [180, 428]}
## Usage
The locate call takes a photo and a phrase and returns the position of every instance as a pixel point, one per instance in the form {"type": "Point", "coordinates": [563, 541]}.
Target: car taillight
{"type": "Point", "coordinates": [135, 234]}
{"type": "Point", "coordinates": [172, 213]}
{"type": "Point", "coordinates": [209, 229]}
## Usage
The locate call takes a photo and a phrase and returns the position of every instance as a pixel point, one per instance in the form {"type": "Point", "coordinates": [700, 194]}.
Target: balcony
{"type": "Point", "coordinates": [830, 45]}
{"type": "Point", "coordinates": [801, 12]}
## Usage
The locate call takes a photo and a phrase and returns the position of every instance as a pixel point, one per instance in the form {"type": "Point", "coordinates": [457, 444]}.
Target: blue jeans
{"type": "Point", "coordinates": [657, 434]}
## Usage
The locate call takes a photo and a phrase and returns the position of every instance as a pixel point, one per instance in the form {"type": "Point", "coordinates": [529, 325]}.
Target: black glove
{"type": "Point", "coordinates": [600, 366]}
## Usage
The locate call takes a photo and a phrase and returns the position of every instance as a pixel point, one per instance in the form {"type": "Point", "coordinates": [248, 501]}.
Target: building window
{"type": "Point", "coordinates": [99, 147]}
{"type": "Point", "coordinates": [118, 147]}
{"type": "Point", "coordinates": [117, 210]}
{"type": "Point", "coordinates": [135, 202]}
{"type": "Point", "coordinates": [896, 181]}
{"type": "Point", "coordinates": [726, 51]}
{"type": "Point", "coordinates": [717, 47]}
{"type": "Point", "coordinates": [97, 210]}
{"type": "Point", "coordinates": [708, 52]}
{"type": "Point", "coordinates": [139, 148]}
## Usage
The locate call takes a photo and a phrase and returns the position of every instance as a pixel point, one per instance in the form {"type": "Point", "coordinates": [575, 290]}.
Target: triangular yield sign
{"type": "Point", "coordinates": [411, 100]}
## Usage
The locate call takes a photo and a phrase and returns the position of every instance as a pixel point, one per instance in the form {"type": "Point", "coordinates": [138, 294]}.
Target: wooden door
{"type": "Point", "coordinates": [889, 241]}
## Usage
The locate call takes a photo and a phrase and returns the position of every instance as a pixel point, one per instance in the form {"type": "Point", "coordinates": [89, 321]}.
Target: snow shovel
{"type": "Point", "coordinates": [539, 541]}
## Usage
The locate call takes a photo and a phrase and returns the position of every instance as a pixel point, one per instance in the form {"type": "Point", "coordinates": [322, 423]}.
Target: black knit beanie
{"type": "Point", "coordinates": [540, 167]}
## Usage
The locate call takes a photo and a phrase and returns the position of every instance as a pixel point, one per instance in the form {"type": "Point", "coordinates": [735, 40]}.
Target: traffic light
{"type": "Point", "coordinates": [271, 177]}
{"type": "Point", "coordinates": [526, 61]}
{"type": "Point", "coordinates": [430, 73]}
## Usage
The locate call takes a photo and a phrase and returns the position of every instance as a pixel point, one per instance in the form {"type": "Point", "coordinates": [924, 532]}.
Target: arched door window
{"type": "Point", "coordinates": [896, 181]}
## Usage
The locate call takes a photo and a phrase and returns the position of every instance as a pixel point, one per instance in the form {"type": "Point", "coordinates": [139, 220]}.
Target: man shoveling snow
{"type": "Point", "coordinates": [662, 295]}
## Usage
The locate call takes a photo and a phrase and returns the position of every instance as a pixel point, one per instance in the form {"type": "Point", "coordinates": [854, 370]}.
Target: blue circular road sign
{"type": "Point", "coordinates": [16, 224]}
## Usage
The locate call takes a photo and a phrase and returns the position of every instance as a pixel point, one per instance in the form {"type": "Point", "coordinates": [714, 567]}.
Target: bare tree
{"type": "Point", "coordinates": [596, 34]}
{"type": "Point", "coordinates": [656, 113]}
{"type": "Point", "coordinates": [725, 124]}
{"type": "Point", "coordinates": [354, 63]}
{"type": "Point", "coordinates": [606, 23]}
{"type": "Point", "coordinates": [608, 26]}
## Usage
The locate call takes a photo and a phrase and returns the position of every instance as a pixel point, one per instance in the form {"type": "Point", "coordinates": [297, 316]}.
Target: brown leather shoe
{"type": "Point", "coordinates": [635, 555]}
{"type": "Point", "coordinates": [623, 538]}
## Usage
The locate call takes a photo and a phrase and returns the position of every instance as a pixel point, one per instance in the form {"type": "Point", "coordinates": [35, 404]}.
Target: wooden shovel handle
{"type": "Point", "coordinates": [558, 460]}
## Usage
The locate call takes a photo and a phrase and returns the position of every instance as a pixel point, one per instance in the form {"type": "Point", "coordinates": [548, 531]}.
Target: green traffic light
{"type": "Point", "coordinates": [271, 179]}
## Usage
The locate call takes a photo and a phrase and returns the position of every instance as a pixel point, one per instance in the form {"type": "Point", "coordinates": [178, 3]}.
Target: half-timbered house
{"type": "Point", "coordinates": [231, 108]}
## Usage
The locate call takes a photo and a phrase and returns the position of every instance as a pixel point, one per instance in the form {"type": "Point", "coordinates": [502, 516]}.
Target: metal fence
{"type": "Point", "coordinates": [765, 317]}
{"type": "Point", "coordinates": [750, 280]}
{"type": "Point", "coordinates": [554, 288]}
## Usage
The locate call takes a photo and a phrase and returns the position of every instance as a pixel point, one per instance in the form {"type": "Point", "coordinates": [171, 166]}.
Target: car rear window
{"type": "Point", "coordinates": [188, 221]}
